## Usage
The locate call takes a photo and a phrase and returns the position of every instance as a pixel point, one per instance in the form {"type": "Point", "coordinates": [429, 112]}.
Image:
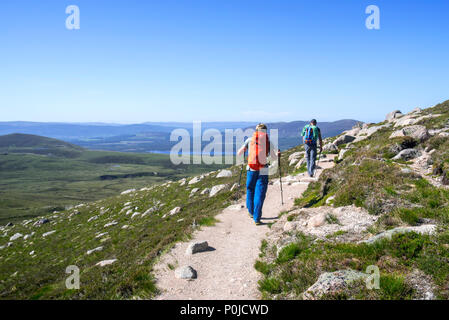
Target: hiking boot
{"type": "Point", "coordinates": [258, 223]}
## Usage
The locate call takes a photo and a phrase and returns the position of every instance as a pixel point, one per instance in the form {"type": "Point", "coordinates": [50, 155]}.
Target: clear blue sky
{"type": "Point", "coordinates": [217, 60]}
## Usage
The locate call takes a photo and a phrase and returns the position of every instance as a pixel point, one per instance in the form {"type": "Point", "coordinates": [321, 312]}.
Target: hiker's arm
{"type": "Point", "coordinates": [243, 148]}
{"type": "Point", "coordinates": [274, 151]}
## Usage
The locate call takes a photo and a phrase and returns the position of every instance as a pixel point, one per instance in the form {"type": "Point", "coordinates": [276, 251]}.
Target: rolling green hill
{"type": "Point", "coordinates": [39, 175]}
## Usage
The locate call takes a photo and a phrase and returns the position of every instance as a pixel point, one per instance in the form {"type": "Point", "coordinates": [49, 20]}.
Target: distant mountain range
{"type": "Point", "coordinates": [154, 136]}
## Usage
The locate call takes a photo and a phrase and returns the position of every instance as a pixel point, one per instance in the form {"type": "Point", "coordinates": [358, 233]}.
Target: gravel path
{"type": "Point", "coordinates": [226, 271]}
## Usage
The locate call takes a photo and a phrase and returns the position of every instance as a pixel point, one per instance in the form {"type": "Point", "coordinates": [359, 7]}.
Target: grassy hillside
{"type": "Point", "coordinates": [39, 175]}
{"type": "Point", "coordinates": [142, 228]}
{"type": "Point", "coordinates": [398, 193]}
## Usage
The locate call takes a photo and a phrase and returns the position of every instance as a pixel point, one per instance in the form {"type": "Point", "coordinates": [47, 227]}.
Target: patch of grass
{"type": "Point", "coordinates": [270, 285]}
{"type": "Point", "coordinates": [288, 252]}
{"type": "Point", "coordinates": [393, 287]}
{"type": "Point", "coordinates": [207, 221]}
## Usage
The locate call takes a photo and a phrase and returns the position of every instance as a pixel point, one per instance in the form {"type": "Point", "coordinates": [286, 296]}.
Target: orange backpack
{"type": "Point", "coordinates": [259, 149]}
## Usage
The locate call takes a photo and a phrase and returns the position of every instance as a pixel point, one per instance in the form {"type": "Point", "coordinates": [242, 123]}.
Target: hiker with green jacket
{"type": "Point", "coordinates": [311, 134]}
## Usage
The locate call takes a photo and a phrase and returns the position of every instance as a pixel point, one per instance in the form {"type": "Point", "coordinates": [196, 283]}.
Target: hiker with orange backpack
{"type": "Point", "coordinates": [311, 134]}
{"type": "Point", "coordinates": [260, 148]}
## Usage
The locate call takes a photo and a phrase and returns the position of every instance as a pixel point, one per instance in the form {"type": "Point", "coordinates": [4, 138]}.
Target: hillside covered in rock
{"type": "Point", "coordinates": [384, 206]}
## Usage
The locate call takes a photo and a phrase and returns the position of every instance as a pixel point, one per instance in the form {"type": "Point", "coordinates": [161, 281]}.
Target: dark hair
{"type": "Point", "coordinates": [313, 121]}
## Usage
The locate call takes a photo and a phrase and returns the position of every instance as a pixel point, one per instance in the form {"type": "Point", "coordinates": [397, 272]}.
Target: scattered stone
{"type": "Point", "coordinates": [92, 218]}
{"type": "Point", "coordinates": [32, 253]}
{"type": "Point", "coordinates": [343, 139]}
{"type": "Point", "coordinates": [128, 191]}
{"type": "Point", "coordinates": [48, 233]}
{"type": "Point", "coordinates": [41, 222]}
{"type": "Point", "coordinates": [94, 250]}
{"type": "Point", "coordinates": [175, 211]}
{"type": "Point", "coordinates": [330, 147]}
{"type": "Point", "coordinates": [135, 214]}
{"type": "Point", "coordinates": [101, 235]}
{"type": "Point", "coordinates": [393, 115]}
{"type": "Point", "coordinates": [16, 236]}
{"type": "Point", "coordinates": [185, 272]}
{"type": "Point", "coordinates": [195, 180]}
{"type": "Point", "coordinates": [332, 283]}
{"type": "Point", "coordinates": [195, 247]}
{"type": "Point", "coordinates": [27, 236]}
{"type": "Point", "coordinates": [106, 262]}
{"type": "Point", "coordinates": [296, 155]}
{"type": "Point", "coordinates": [422, 229]}
{"type": "Point", "coordinates": [125, 226]}
{"type": "Point", "coordinates": [113, 223]}
{"type": "Point", "coordinates": [216, 189]}
{"type": "Point", "coordinates": [9, 224]}
{"type": "Point", "coordinates": [224, 174]}
{"type": "Point", "coordinates": [407, 154]}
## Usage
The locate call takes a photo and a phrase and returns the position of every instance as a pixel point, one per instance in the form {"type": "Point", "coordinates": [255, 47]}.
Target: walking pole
{"type": "Point", "coordinates": [280, 175]}
{"type": "Point", "coordinates": [241, 171]}
{"type": "Point", "coordinates": [319, 158]}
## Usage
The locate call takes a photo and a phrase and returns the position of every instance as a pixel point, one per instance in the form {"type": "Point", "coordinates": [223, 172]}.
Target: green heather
{"type": "Point", "coordinates": [368, 177]}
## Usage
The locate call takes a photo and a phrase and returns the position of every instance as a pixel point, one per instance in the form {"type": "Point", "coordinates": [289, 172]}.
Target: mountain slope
{"type": "Point", "coordinates": [384, 207]}
{"type": "Point", "coordinates": [39, 174]}
{"type": "Point", "coordinates": [26, 143]}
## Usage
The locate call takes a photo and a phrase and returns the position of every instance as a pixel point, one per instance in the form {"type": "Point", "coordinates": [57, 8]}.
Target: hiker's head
{"type": "Point", "coordinates": [313, 122]}
{"type": "Point", "coordinates": [261, 127]}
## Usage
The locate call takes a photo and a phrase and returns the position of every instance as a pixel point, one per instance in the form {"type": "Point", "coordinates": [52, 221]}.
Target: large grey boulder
{"type": "Point", "coordinates": [216, 189]}
{"type": "Point", "coordinates": [333, 282]}
{"type": "Point", "coordinates": [295, 155]}
{"type": "Point", "coordinates": [195, 180]}
{"type": "Point", "coordinates": [330, 147]}
{"type": "Point", "coordinates": [198, 246]}
{"type": "Point", "coordinates": [185, 272]}
{"type": "Point", "coordinates": [393, 115]}
{"type": "Point", "coordinates": [417, 132]}
{"type": "Point", "coordinates": [407, 154]}
{"type": "Point", "coordinates": [224, 174]}
{"type": "Point", "coordinates": [344, 139]}
{"type": "Point", "coordinates": [422, 229]}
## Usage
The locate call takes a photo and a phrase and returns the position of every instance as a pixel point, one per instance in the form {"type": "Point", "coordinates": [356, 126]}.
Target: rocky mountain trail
{"type": "Point", "coordinates": [225, 270]}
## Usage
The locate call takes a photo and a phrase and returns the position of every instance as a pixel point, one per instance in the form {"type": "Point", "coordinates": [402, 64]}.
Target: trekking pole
{"type": "Point", "coordinates": [319, 158]}
{"type": "Point", "coordinates": [241, 171]}
{"type": "Point", "coordinates": [280, 175]}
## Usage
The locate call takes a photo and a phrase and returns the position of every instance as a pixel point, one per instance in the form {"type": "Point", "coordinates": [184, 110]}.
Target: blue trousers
{"type": "Point", "coordinates": [310, 157]}
{"type": "Point", "coordinates": [256, 189]}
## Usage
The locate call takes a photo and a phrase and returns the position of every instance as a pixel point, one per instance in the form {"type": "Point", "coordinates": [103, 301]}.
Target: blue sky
{"type": "Point", "coordinates": [217, 60]}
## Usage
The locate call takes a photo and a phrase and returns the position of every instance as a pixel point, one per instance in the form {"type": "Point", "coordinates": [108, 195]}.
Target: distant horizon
{"type": "Point", "coordinates": [261, 61]}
